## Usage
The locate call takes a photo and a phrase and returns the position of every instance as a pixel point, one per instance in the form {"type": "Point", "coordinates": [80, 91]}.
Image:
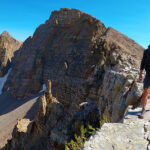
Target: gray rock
{"type": "Point", "coordinates": [132, 134]}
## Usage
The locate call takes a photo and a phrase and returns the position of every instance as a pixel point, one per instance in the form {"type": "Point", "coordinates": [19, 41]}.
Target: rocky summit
{"type": "Point", "coordinates": [85, 69]}
{"type": "Point", "coordinates": [8, 45]}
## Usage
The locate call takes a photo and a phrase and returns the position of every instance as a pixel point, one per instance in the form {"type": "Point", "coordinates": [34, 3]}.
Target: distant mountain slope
{"type": "Point", "coordinates": [8, 45]}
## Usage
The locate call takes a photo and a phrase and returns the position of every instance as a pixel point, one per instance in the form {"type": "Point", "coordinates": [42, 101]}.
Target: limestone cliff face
{"type": "Point", "coordinates": [8, 45]}
{"type": "Point", "coordinates": [89, 71]}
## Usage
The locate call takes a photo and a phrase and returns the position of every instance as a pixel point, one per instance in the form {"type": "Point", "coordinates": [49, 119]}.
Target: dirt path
{"type": "Point", "coordinates": [11, 110]}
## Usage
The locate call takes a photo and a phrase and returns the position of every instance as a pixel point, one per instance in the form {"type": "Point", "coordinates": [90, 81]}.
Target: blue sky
{"type": "Point", "coordinates": [131, 17]}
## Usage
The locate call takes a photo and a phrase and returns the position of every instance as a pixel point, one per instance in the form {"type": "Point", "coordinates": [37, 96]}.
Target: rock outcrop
{"type": "Point", "coordinates": [133, 133]}
{"type": "Point", "coordinates": [8, 45]}
{"type": "Point", "coordinates": [12, 110]}
{"type": "Point", "coordinates": [89, 71]}
{"type": "Point", "coordinates": [53, 125]}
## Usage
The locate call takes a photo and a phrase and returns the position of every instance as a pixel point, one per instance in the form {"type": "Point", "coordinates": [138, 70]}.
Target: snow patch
{"type": "Point", "coordinates": [3, 80]}
{"type": "Point", "coordinates": [43, 88]}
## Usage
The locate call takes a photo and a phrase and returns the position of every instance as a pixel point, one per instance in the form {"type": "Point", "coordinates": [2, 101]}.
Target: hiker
{"type": "Point", "coordinates": [145, 64]}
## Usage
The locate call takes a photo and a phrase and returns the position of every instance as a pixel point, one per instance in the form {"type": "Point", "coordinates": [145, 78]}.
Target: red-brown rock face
{"type": "Point", "coordinates": [60, 50]}
{"type": "Point", "coordinates": [65, 50]}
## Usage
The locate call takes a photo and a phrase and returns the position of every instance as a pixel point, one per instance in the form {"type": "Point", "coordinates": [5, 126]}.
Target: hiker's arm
{"type": "Point", "coordinates": [140, 75]}
{"type": "Point", "coordinates": [142, 67]}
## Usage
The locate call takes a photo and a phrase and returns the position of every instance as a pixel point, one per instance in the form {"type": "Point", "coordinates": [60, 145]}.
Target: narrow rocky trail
{"type": "Point", "coordinates": [132, 134]}
{"type": "Point", "coordinates": [11, 110]}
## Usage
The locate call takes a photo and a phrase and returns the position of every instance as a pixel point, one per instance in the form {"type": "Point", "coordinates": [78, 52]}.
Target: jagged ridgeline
{"type": "Point", "coordinates": [89, 70]}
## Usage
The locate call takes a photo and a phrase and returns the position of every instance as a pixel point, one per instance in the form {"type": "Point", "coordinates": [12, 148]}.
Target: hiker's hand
{"type": "Point", "coordinates": [140, 77]}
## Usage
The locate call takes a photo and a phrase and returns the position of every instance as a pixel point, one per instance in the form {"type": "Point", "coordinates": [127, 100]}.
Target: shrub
{"type": "Point", "coordinates": [79, 140]}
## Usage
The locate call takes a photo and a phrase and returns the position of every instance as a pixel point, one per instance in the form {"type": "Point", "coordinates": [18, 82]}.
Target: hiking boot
{"type": "Point", "coordinates": [142, 113]}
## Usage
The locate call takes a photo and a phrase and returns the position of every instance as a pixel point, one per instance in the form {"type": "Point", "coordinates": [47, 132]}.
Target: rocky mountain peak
{"type": "Point", "coordinates": [65, 44]}
{"type": "Point", "coordinates": [5, 33]}
{"type": "Point", "coordinates": [8, 45]}
{"type": "Point", "coordinates": [85, 69]}
{"type": "Point", "coordinates": [66, 17]}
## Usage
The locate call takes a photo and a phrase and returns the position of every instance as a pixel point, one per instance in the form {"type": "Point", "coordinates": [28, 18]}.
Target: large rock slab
{"type": "Point", "coordinates": [119, 136]}
{"type": "Point", "coordinates": [132, 134]}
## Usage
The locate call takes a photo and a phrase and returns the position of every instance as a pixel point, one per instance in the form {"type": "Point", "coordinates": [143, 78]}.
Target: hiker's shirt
{"type": "Point", "coordinates": [145, 64]}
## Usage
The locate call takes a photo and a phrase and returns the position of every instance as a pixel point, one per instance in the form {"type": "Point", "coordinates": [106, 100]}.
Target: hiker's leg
{"type": "Point", "coordinates": [145, 97]}
{"type": "Point", "coordinates": [144, 102]}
